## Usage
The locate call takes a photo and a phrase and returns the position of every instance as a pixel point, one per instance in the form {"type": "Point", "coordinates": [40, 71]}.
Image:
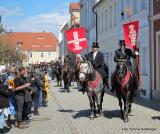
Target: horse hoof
{"type": "Point", "coordinates": [122, 117]}
{"type": "Point", "coordinates": [126, 120]}
{"type": "Point", "coordinates": [91, 118]}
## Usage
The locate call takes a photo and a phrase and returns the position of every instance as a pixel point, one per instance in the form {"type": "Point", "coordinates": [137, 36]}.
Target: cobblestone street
{"type": "Point", "coordinates": [67, 113]}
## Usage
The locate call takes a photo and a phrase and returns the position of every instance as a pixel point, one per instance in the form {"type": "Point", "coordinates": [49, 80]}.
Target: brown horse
{"type": "Point", "coordinates": [67, 74]}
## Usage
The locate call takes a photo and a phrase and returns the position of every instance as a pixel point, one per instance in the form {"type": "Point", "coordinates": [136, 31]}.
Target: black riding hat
{"type": "Point", "coordinates": [122, 42]}
{"type": "Point", "coordinates": [95, 45]}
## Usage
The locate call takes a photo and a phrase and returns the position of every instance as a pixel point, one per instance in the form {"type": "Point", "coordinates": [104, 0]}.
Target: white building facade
{"type": "Point", "coordinates": [63, 47]}
{"type": "Point", "coordinates": [36, 57]}
{"type": "Point", "coordinates": [88, 20]}
{"type": "Point", "coordinates": [111, 15]}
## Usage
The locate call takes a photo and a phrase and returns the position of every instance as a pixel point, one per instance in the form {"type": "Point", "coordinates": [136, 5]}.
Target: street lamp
{"type": "Point", "coordinates": [17, 51]}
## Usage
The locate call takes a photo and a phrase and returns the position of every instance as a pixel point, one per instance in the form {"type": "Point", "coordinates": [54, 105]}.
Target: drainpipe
{"type": "Point", "coordinates": [96, 21]}
{"type": "Point", "coordinates": [150, 42]}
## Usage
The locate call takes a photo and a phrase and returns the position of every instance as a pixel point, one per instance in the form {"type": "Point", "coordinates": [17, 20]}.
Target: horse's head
{"type": "Point", "coordinates": [86, 69]}
{"type": "Point", "coordinates": [121, 69]}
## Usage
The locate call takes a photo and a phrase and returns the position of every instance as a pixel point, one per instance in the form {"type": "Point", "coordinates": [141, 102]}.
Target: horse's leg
{"type": "Point", "coordinates": [132, 93]}
{"type": "Point", "coordinates": [57, 82]}
{"type": "Point", "coordinates": [101, 99]}
{"type": "Point", "coordinates": [94, 104]}
{"type": "Point", "coordinates": [67, 84]}
{"type": "Point", "coordinates": [127, 107]}
{"type": "Point", "coordinates": [99, 103]}
{"type": "Point", "coordinates": [60, 81]}
{"type": "Point", "coordinates": [130, 101]}
{"type": "Point", "coordinates": [119, 96]}
{"type": "Point", "coordinates": [91, 105]}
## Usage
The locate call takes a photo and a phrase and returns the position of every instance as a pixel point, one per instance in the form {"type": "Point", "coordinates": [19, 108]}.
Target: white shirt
{"type": "Point", "coordinates": [94, 54]}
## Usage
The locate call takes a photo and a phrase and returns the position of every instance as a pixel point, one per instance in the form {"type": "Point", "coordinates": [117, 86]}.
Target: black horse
{"type": "Point", "coordinates": [58, 74]}
{"type": "Point", "coordinates": [124, 87]}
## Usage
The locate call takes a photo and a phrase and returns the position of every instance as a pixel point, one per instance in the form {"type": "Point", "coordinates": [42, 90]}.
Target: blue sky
{"type": "Point", "coordinates": [34, 15]}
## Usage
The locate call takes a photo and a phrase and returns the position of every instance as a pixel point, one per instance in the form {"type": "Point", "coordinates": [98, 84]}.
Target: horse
{"type": "Point", "coordinates": [124, 88]}
{"type": "Point", "coordinates": [67, 77]}
{"type": "Point", "coordinates": [95, 88]}
{"type": "Point", "coordinates": [58, 74]}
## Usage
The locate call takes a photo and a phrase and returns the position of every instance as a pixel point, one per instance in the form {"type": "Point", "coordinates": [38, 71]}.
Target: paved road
{"type": "Point", "coordinates": [67, 113]}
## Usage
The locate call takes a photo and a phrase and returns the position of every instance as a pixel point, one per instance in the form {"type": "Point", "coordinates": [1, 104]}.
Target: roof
{"type": "Point", "coordinates": [42, 41]}
{"type": "Point", "coordinates": [74, 6]}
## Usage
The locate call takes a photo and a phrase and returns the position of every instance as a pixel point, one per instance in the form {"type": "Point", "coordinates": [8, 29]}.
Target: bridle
{"type": "Point", "coordinates": [89, 76]}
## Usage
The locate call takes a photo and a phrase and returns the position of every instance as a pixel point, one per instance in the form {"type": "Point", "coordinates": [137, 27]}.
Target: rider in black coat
{"type": "Point", "coordinates": [124, 54]}
{"type": "Point", "coordinates": [97, 60]}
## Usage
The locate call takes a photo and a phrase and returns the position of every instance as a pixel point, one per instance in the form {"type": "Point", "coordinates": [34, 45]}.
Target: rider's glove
{"type": "Point", "coordinates": [136, 53]}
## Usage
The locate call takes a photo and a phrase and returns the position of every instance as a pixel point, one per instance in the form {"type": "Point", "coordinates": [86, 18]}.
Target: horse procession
{"type": "Point", "coordinates": [92, 76]}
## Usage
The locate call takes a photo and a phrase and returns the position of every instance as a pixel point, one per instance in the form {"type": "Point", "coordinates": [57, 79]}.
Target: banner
{"type": "Point", "coordinates": [131, 33]}
{"type": "Point", "coordinates": [76, 40]}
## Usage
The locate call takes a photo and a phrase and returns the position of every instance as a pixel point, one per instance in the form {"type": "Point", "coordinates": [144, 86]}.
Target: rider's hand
{"type": "Point", "coordinates": [136, 53]}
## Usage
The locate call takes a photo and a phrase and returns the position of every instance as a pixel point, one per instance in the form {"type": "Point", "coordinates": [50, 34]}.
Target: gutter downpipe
{"type": "Point", "coordinates": [96, 21]}
{"type": "Point", "coordinates": [150, 42]}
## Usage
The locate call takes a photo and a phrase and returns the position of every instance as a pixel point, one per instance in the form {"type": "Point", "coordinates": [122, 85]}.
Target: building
{"type": "Point", "coordinates": [88, 20]}
{"type": "Point", "coordinates": [155, 48]}
{"type": "Point", "coordinates": [74, 11]}
{"type": "Point", "coordinates": [63, 46]}
{"type": "Point", "coordinates": [73, 22]}
{"type": "Point", "coordinates": [37, 47]}
{"type": "Point", "coordinates": [111, 15]}
{"type": "Point", "coordinates": [107, 18]}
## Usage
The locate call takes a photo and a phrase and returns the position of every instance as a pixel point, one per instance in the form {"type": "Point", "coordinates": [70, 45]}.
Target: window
{"type": "Point", "coordinates": [143, 4]}
{"type": "Point", "coordinates": [143, 56]}
{"type": "Point", "coordinates": [115, 13]}
{"type": "Point", "coordinates": [110, 16]}
{"type": "Point", "coordinates": [30, 55]}
{"type": "Point", "coordinates": [128, 3]}
{"type": "Point", "coordinates": [134, 2]}
{"type": "Point", "coordinates": [106, 19]}
{"type": "Point", "coordinates": [42, 55]}
{"type": "Point", "coordinates": [49, 54]}
{"type": "Point", "coordinates": [122, 9]}
{"type": "Point", "coordinates": [99, 24]}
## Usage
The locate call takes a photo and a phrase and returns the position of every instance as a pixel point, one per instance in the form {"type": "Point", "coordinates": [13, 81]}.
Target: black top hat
{"type": "Point", "coordinates": [122, 42]}
{"type": "Point", "coordinates": [95, 45]}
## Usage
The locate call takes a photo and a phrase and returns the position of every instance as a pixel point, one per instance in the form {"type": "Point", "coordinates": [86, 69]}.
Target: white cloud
{"type": "Point", "coordinates": [8, 12]}
{"type": "Point", "coordinates": [41, 22]}
{"type": "Point", "coordinates": [49, 22]}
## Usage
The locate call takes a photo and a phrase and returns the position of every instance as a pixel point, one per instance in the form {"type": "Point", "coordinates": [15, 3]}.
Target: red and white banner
{"type": "Point", "coordinates": [131, 33]}
{"type": "Point", "coordinates": [77, 41]}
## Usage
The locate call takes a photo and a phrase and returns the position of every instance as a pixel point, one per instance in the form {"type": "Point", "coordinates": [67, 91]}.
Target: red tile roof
{"type": "Point", "coordinates": [44, 41]}
{"type": "Point", "coordinates": [74, 6]}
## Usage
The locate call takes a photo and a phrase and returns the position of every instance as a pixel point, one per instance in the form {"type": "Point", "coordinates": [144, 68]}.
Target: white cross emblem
{"type": "Point", "coordinates": [76, 41]}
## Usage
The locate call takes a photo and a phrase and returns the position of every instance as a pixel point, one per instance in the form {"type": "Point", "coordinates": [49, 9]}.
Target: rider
{"type": "Point", "coordinates": [97, 60]}
{"type": "Point", "coordinates": [124, 53]}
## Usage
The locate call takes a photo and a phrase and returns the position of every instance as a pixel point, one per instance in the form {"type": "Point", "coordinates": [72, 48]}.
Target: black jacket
{"type": "Point", "coordinates": [5, 93]}
{"type": "Point", "coordinates": [127, 54]}
{"type": "Point", "coordinates": [98, 63]}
